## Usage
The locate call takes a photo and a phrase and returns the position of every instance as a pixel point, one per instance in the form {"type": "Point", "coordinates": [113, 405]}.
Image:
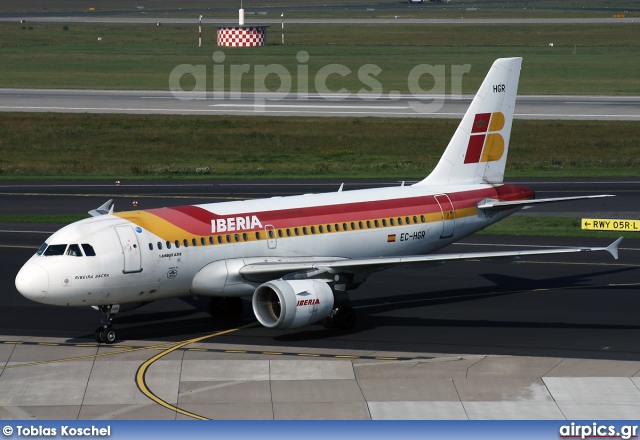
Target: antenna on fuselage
{"type": "Point", "coordinates": [104, 209]}
{"type": "Point", "coordinates": [340, 189]}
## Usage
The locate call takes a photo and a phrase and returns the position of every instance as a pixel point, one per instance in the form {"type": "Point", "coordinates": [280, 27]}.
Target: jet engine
{"type": "Point", "coordinates": [284, 304]}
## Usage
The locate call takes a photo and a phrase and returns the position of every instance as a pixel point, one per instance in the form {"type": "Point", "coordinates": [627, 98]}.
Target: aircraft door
{"type": "Point", "coordinates": [272, 240]}
{"type": "Point", "coordinates": [130, 249]}
{"type": "Point", "coordinates": [448, 215]}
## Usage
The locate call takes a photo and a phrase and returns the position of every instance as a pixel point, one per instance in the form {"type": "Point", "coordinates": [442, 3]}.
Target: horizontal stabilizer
{"type": "Point", "coordinates": [104, 209]}
{"type": "Point", "coordinates": [489, 204]}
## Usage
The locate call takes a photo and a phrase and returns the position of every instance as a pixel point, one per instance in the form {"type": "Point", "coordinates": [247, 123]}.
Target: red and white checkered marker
{"type": "Point", "coordinates": [242, 36]}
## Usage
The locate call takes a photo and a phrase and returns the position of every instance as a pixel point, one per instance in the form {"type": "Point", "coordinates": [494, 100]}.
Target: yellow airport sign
{"type": "Point", "coordinates": [602, 224]}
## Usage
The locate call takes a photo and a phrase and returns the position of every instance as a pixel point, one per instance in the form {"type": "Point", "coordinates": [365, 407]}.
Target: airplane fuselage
{"type": "Point", "coordinates": [142, 256]}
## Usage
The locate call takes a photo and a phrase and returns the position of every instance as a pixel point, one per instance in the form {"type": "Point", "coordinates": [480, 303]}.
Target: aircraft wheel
{"type": "Point", "coordinates": [99, 335]}
{"type": "Point", "coordinates": [345, 319]}
{"type": "Point", "coordinates": [109, 335]}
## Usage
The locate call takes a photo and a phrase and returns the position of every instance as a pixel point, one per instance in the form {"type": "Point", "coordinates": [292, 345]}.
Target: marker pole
{"type": "Point", "coordinates": [200, 32]}
{"type": "Point", "coordinates": [282, 15]}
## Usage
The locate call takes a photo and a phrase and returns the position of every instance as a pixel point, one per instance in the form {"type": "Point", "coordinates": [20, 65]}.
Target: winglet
{"type": "Point", "coordinates": [104, 209]}
{"type": "Point", "coordinates": [613, 248]}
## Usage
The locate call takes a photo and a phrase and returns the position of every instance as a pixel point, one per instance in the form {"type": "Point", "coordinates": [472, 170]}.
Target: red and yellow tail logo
{"type": "Point", "coordinates": [485, 145]}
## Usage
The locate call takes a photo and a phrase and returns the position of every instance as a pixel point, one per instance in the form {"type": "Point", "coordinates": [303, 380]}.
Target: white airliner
{"type": "Point", "coordinates": [296, 256]}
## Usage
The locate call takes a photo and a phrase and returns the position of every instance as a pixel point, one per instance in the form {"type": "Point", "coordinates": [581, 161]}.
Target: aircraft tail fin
{"type": "Point", "coordinates": [477, 152]}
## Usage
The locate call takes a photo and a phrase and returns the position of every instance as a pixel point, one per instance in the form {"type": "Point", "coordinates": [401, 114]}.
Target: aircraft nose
{"type": "Point", "coordinates": [32, 281]}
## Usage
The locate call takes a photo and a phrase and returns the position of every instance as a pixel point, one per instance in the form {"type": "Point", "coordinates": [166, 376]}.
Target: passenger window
{"type": "Point", "coordinates": [257, 235]}
{"type": "Point", "coordinates": [313, 229]}
{"type": "Point", "coordinates": [422, 218]}
{"type": "Point", "coordinates": [415, 219]}
{"type": "Point", "coordinates": [288, 232]}
{"type": "Point", "coordinates": [177, 243]}
{"type": "Point", "coordinates": [321, 229]}
{"type": "Point", "coordinates": [328, 228]}
{"type": "Point", "coordinates": [297, 231]}
{"type": "Point", "coordinates": [245, 237]}
{"type": "Point", "coordinates": [392, 222]}
{"type": "Point", "coordinates": [360, 225]}
{"type": "Point", "coordinates": [408, 220]}
{"type": "Point", "coordinates": [42, 248]}
{"type": "Point", "coordinates": [168, 245]}
{"type": "Point", "coordinates": [337, 227]}
{"type": "Point", "coordinates": [159, 245]}
{"type": "Point", "coordinates": [236, 237]}
{"type": "Point", "coordinates": [280, 233]}
{"type": "Point", "coordinates": [202, 241]}
{"type": "Point", "coordinates": [150, 247]}
{"type": "Point", "coordinates": [55, 250]}
{"type": "Point", "coordinates": [194, 242]}
{"type": "Point", "coordinates": [210, 239]}
{"type": "Point", "coordinates": [228, 238]}
{"type": "Point", "coordinates": [220, 239]}
{"type": "Point", "coordinates": [74, 250]}
{"type": "Point", "coordinates": [304, 230]}
{"type": "Point", "coordinates": [384, 222]}
{"type": "Point", "coordinates": [399, 220]}
{"type": "Point", "coordinates": [376, 224]}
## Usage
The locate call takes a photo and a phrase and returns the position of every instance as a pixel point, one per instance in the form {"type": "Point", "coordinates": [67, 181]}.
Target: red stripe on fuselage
{"type": "Point", "coordinates": [197, 220]}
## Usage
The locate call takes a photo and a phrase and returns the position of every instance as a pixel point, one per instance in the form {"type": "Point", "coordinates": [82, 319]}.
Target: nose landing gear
{"type": "Point", "coordinates": [105, 333]}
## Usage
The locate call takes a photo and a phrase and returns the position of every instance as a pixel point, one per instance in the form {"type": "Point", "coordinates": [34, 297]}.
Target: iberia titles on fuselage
{"type": "Point", "coordinates": [297, 256]}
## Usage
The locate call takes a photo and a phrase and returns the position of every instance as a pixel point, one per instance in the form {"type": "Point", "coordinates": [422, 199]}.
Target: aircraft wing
{"type": "Point", "coordinates": [262, 271]}
{"type": "Point", "coordinates": [492, 204]}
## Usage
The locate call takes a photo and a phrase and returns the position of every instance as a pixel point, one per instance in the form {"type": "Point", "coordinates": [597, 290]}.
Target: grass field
{"type": "Point", "coordinates": [594, 59]}
{"type": "Point", "coordinates": [152, 146]}
{"type": "Point", "coordinates": [585, 59]}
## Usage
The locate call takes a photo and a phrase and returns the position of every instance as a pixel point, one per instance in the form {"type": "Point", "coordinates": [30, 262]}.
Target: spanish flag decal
{"type": "Point", "coordinates": [485, 145]}
{"type": "Point", "coordinates": [391, 238]}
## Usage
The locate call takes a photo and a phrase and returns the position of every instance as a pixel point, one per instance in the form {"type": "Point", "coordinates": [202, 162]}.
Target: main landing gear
{"type": "Point", "coordinates": [227, 307]}
{"type": "Point", "coordinates": [343, 318]}
{"type": "Point", "coordinates": [105, 333]}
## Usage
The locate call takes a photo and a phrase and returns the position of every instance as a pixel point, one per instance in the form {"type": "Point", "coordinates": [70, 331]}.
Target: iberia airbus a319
{"type": "Point", "coordinates": [297, 257]}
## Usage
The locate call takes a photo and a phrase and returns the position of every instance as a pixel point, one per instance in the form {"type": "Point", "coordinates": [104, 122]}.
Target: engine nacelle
{"type": "Point", "coordinates": [292, 304]}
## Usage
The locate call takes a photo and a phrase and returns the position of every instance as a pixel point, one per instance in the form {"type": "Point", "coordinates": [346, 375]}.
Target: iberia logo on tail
{"type": "Point", "coordinates": [485, 144]}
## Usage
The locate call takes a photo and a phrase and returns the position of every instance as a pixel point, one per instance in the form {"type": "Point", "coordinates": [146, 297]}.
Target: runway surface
{"type": "Point", "coordinates": [275, 19]}
{"type": "Point", "coordinates": [626, 108]}
{"type": "Point", "coordinates": [545, 338]}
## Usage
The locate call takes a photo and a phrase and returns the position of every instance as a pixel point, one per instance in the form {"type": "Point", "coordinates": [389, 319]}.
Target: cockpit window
{"type": "Point", "coordinates": [88, 250]}
{"type": "Point", "coordinates": [55, 249]}
{"type": "Point", "coordinates": [74, 250]}
{"type": "Point", "coordinates": [42, 248]}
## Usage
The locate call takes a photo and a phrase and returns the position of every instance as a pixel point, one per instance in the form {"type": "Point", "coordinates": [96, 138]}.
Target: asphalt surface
{"type": "Point", "coordinates": [312, 104]}
{"type": "Point", "coordinates": [577, 306]}
{"type": "Point", "coordinates": [275, 19]}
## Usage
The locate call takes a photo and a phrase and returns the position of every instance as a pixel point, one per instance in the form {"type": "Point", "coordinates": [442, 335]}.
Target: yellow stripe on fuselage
{"type": "Point", "coordinates": [170, 232]}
